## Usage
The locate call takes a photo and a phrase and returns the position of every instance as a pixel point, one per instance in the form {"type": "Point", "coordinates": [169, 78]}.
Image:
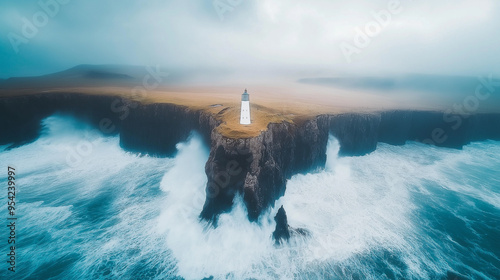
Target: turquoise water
{"type": "Point", "coordinates": [89, 210]}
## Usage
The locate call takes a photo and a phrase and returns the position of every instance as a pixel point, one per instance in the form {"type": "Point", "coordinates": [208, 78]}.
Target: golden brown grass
{"type": "Point", "coordinates": [269, 104]}
{"type": "Point", "coordinates": [260, 116]}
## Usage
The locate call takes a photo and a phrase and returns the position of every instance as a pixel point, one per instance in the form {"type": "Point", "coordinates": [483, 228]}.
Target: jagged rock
{"type": "Point", "coordinates": [282, 232]}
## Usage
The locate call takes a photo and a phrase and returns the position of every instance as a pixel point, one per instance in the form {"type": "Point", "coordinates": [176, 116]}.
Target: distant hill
{"type": "Point", "coordinates": [97, 72]}
{"type": "Point", "coordinates": [82, 75]}
{"type": "Point", "coordinates": [118, 75]}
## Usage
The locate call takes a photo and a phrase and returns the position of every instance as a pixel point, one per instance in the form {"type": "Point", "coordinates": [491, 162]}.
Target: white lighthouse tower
{"type": "Point", "coordinates": [245, 108]}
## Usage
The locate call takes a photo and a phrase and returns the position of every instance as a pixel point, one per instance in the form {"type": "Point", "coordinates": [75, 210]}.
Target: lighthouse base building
{"type": "Point", "coordinates": [245, 108]}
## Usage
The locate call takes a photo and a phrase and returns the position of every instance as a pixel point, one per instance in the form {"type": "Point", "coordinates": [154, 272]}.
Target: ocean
{"type": "Point", "coordinates": [86, 209]}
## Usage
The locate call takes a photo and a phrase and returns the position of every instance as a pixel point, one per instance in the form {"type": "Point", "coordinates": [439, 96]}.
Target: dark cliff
{"type": "Point", "coordinates": [157, 128]}
{"type": "Point", "coordinates": [359, 134]}
{"type": "Point", "coordinates": [259, 167]}
{"type": "Point", "coordinates": [256, 168]}
{"type": "Point", "coordinates": [153, 129]}
{"type": "Point", "coordinates": [20, 117]}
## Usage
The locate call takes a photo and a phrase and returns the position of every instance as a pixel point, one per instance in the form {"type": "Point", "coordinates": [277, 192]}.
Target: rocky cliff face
{"type": "Point", "coordinates": [153, 129]}
{"type": "Point", "coordinates": [256, 168]}
{"type": "Point", "coordinates": [20, 117]}
{"type": "Point", "coordinates": [156, 129]}
{"type": "Point", "coordinates": [357, 133]}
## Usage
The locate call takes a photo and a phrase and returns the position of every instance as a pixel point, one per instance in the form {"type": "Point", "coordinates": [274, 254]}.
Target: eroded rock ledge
{"type": "Point", "coordinates": [257, 167]}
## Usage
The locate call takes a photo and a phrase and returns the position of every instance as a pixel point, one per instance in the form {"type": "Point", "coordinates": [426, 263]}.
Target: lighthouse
{"type": "Point", "coordinates": [245, 108]}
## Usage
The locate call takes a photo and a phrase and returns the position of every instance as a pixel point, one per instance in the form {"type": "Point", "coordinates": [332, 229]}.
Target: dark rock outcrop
{"type": "Point", "coordinates": [21, 116]}
{"type": "Point", "coordinates": [153, 129]}
{"type": "Point", "coordinates": [156, 129]}
{"type": "Point", "coordinates": [357, 133]}
{"type": "Point", "coordinates": [281, 233]}
{"type": "Point", "coordinates": [258, 167]}
{"type": "Point", "coordinates": [437, 128]}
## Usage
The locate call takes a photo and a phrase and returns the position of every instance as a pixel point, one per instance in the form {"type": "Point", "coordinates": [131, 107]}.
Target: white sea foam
{"type": "Point", "coordinates": [134, 216]}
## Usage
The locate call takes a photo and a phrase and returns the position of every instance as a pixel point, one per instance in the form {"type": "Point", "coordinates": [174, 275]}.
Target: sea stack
{"type": "Point", "coordinates": [282, 232]}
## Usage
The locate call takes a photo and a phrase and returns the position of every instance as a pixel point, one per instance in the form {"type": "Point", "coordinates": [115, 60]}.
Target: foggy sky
{"type": "Point", "coordinates": [451, 37]}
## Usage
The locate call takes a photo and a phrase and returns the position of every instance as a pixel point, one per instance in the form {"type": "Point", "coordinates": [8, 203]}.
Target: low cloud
{"type": "Point", "coordinates": [430, 37]}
